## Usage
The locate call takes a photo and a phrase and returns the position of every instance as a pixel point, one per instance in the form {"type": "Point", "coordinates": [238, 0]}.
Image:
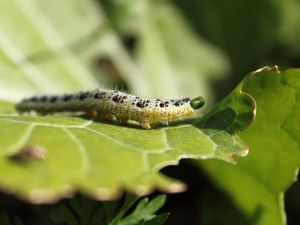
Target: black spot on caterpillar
{"type": "Point", "coordinates": [108, 104]}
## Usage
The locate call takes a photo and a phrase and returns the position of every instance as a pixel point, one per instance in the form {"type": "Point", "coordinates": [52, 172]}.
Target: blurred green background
{"type": "Point", "coordinates": [244, 35]}
{"type": "Point", "coordinates": [161, 48]}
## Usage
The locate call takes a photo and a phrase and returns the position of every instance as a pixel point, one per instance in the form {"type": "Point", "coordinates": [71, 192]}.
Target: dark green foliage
{"type": "Point", "coordinates": [134, 211]}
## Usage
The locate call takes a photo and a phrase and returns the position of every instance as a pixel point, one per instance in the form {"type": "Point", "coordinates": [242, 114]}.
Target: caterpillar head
{"type": "Point", "coordinates": [197, 103]}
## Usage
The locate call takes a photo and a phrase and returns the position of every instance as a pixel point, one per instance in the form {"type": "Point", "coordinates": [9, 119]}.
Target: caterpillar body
{"type": "Point", "coordinates": [110, 105]}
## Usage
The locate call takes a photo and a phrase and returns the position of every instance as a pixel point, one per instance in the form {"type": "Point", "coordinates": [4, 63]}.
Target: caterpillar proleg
{"type": "Point", "coordinates": [110, 104]}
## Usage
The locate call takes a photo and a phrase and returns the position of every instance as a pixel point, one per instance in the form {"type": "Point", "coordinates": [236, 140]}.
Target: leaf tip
{"type": "Point", "coordinates": [141, 190]}
{"type": "Point", "coordinates": [106, 193]}
{"type": "Point", "coordinates": [274, 68]}
{"type": "Point", "coordinates": [42, 196]}
{"type": "Point", "coordinates": [175, 188]}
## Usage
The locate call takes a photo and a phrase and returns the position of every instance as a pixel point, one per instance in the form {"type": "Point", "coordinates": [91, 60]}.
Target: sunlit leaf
{"type": "Point", "coordinates": [258, 182]}
{"type": "Point", "coordinates": [43, 158]}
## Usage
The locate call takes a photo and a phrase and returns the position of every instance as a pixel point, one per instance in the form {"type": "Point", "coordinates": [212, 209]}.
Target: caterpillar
{"type": "Point", "coordinates": [114, 105]}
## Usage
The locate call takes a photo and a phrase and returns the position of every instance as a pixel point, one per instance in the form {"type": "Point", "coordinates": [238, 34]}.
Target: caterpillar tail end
{"type": "Point", "coordinates": [21, 107]}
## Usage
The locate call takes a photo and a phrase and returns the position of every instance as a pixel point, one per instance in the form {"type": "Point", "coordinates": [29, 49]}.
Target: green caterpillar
{"type": "Point", "coordinates": [110, 104]}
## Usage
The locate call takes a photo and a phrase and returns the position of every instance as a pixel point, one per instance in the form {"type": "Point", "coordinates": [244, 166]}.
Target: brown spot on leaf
{"type": "Point", "coordinates": [30, 152]}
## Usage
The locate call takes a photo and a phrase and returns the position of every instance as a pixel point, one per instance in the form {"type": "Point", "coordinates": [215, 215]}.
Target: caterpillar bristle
{"type": "Point", "coordinates": [105, 104]}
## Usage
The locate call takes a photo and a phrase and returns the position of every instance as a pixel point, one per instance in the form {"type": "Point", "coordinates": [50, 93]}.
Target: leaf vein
{"type": "Point", "coordinates": [113, 139]}
{"type": "Point", "coordinates": [81, 147]}
{"type": "Point", "coordinates": [83, 125]}
{"type": "Point", "coordinates": [21, 142]}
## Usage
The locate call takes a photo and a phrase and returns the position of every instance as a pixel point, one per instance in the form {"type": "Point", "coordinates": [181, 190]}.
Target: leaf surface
{"type": "Point", "coordinates": [45, 158]}
{"type": "Point", "coordinates": [100, 159]}
{"type": "Point", "coordinates": [257, 183]}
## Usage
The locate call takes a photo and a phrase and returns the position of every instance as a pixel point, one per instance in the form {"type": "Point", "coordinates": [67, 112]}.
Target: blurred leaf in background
{"type": "Point", "coordinates": [252, 33]}
{"type": "Point", "coordinates": [172, 59]}
{"type": "Point", "coordinates": [167, 60]}
{"type": "Point", "coordinates": [30, 49]}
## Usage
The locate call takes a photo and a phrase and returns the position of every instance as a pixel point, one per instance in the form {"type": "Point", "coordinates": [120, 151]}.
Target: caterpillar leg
{"type": "Point", "coordinates": [122, 120]}
{"type": "Point", "coordinates": [146, 125]}
{"type": "Point", "coordinates": [108, 117]}
{"type": "Point", "coordinates": [92, 114]}
{"type": "Point", "coordinates": [43, 113]}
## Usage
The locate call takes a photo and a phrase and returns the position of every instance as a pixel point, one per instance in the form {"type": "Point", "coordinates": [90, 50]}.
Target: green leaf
{"type": "Point", "coordinates": [84, 211]}
{"type": "Point", "coordinates": [87, 151]}
{"type": "Point", "coordinates": [128, 203]}
{"type": "Point", "coordinates": [4, 219]}
{"type": "Point", "coordinates": [258, 182]}
{"type": "Point", "coordinates": [144, 211]}
{"type": "Point", "coordinates": [233, 114]}
{"type": "Point", "coordinates": [6, 107]}
{"type": "Point", "coordinates": [45, 158]}
{"type": "Point", "coordinates": [158, 220]}
{"type": "Point", "coordinates": [98, 217]}
{"type": "Point", "coordinates": [85, 207]}
{"type": "Point", "coordinates": [68, 216]}
{"type": "Point", "coordinates": [110, 208]}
